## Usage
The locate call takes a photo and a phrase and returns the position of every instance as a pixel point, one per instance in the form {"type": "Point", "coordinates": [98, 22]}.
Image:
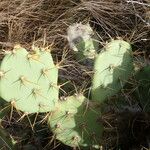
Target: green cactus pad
{"type": "Point", "coordinates": [29, 81]}
{"type": "Point", "coordinates": [113, 67]}
{"type": "Point", "coordinates": [76, 123]}
{"type": "Point", "coordinates": [142, 93]}
{"type": "Point", "coordinates": [83, 41]}
{"type": "Point", "coordinates": [87, 49]}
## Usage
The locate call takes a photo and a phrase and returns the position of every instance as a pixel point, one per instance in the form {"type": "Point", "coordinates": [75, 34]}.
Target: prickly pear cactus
{"type": "Point", "coordinates": [142, 91]}
{"type": "Point", "coordinates": [83, 41]}
{"type": "Point", "coordinates": [76, 123]}
{"type": "Point", "coordinates": [29, 81]}
{"type": "Point", "coordinates": [113, 67]}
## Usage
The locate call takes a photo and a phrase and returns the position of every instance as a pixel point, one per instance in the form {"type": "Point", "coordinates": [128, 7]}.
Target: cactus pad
{"type": "Point", "coordinates": [82, 40]}
{"type": "Point", "coordinates": [76, 123]}
{"type": "Point", "coordinates": [142, 93]}
{"type": "Point", "coordinates": [29, 81]}
{"type": "Point", "coordinates": [113, 66]}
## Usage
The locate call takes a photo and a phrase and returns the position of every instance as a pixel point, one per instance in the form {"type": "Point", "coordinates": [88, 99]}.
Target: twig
{"type": "Point", "coordinates": [136, 2]}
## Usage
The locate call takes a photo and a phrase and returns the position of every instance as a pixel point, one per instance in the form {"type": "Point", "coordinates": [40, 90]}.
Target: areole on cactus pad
{"type": "Point", "coordinates": [76, 122]}
{"type": "Point", "coordinates": [29, 81]}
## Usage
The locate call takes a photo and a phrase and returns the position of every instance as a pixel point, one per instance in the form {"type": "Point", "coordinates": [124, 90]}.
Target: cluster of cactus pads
{"type": "Point", "coordinates": [29, 82]}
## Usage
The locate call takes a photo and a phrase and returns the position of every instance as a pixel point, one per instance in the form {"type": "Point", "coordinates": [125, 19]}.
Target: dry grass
{"type": "Point", "coordinates": [46, 21]}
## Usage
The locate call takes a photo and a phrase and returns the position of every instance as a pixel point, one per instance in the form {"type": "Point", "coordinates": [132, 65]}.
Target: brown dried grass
{"type": "Point", "coordinates": [46, 21]}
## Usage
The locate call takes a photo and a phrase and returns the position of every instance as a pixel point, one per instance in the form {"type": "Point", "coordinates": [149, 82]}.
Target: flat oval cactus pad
{"type": "Point", "coordinates": [29, 81]}
{"type": "Point", "coordinates": [113, 66]}
{"type": "Point", "coordinates": [76, 122]}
